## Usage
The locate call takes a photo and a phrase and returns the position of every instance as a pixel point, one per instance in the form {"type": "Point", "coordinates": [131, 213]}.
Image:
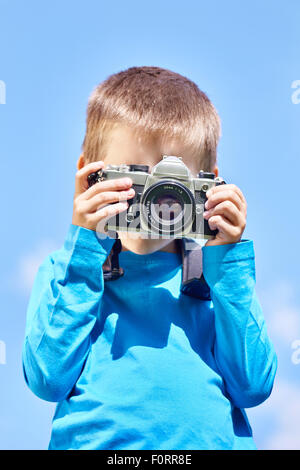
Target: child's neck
{"type": "Point", "coordinates": [171, 247]}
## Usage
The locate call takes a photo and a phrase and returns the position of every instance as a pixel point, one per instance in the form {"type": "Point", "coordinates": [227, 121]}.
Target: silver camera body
{"type": "Point", "coordinates": [168, 202]}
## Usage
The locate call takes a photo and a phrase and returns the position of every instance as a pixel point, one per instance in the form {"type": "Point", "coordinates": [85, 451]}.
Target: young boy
{"type": "Point", "coordinates": [134, 363]}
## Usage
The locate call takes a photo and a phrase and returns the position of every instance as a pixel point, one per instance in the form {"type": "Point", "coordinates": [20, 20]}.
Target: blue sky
{"type": "Point", "coordinates": [245, 56]}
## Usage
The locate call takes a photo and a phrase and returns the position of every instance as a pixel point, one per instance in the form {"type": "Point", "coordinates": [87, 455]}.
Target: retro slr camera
{"type": "Point", "coordinates": [168, 202]}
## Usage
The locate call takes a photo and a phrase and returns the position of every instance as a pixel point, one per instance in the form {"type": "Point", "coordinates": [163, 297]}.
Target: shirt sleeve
{"type": "Point", "coordinates": [243, 351]}
{"type": "Point", "coordinates": [62, 311]}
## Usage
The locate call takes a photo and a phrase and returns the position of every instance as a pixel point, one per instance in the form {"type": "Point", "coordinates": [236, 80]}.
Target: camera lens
{"type": "Point", "coordinates": [167, 207]}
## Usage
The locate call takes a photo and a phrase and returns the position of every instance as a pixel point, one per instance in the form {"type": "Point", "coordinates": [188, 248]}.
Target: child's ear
{"type": "Point", "coordinates": [80, 162]}
{"type": "Point", "coordinates": [216, 171]}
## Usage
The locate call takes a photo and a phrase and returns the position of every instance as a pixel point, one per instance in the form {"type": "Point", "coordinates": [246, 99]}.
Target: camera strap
{"type": "Point", "coordinates": [192, 283]}
{"type": "Point", "coordinates": [111, 268]}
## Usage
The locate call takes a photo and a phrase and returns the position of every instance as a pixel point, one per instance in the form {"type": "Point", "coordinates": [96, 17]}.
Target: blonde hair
{"type": "Point", "coordinates": [153, 101]}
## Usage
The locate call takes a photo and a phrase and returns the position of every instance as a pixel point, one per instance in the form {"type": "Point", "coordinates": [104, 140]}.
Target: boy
{"type": "Point", "coordinates": [135, 364]}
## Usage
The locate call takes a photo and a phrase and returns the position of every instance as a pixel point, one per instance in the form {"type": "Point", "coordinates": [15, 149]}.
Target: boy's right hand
{"type": "Point", "coordinates": [101, 201]}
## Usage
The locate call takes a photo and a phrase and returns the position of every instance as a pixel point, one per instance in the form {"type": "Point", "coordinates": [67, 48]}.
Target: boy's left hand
{"type": "Point", "coordinates": [225, 210]}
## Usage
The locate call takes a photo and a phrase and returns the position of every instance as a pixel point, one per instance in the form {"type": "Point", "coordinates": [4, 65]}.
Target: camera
{"type": "Point", "coordinates": [168, 201]}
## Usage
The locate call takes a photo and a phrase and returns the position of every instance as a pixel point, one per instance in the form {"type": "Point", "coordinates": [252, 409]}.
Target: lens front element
{"type": "Point", "coordinates": [167, 208]}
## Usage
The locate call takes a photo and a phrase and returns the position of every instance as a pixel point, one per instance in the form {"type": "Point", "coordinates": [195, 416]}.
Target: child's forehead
{"type": "Point", "coordinates": [129, 145]}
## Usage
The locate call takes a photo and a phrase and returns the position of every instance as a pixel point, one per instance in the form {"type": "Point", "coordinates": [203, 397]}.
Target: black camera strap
{"type": "Point", "coordinates": [192, 283]}
{"type": "Point", "coordinates": [111, 268]}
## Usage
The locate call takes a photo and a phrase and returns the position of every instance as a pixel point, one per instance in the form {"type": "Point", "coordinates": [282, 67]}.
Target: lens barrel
{"type": "Point", "coordinates": [167, 207]}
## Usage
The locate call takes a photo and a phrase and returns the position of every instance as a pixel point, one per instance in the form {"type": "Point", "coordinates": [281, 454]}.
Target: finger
{"type": "Point", "coordinates": [232, 188]}
{"type": "Point", "coordinates": [81, 183]}
{"type": "Point", "coordinates": [107, 197]}
{"type": "Point", "coordinates": [217, 197]}
{"type": "Point", "coordinates": [108, 185]}
{"type": "Point", "coordinates": [224, 226]}
{"type": "Point", "coordinates": [229, 210]}
{"type": "Point", "coordinates": [105, 213]}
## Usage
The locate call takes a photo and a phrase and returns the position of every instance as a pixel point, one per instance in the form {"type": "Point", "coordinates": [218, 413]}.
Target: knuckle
{"type": "Point", "coordinates": [104, 213]}
{"type": "Point", "coordinates": [80, 209]}
{"type": "Point", "coordinates": [237, 232]}
{"type": "Point", "coordinates": [232, 194]}
{"type": "Point", "coordinates": [95, 189]}
{"type": "Point", "coordinates": [78, 174]}
{"type": "Point", "coordinates": [76, 204]}
{"type": "Point", "coordinates": [215, 219]}
{"type": "Point", "coordinates": [97, 186]}
{"type": "Point", "coordinates": [228, 205]}
{"type": "Point", "coordinates": [101, 197]}
{"type": "Point", "coordinates": [211, 199]}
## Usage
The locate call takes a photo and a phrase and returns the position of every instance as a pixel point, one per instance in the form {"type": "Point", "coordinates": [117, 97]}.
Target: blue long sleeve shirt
{"type": "Point", "coordinates": [138, 364]}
